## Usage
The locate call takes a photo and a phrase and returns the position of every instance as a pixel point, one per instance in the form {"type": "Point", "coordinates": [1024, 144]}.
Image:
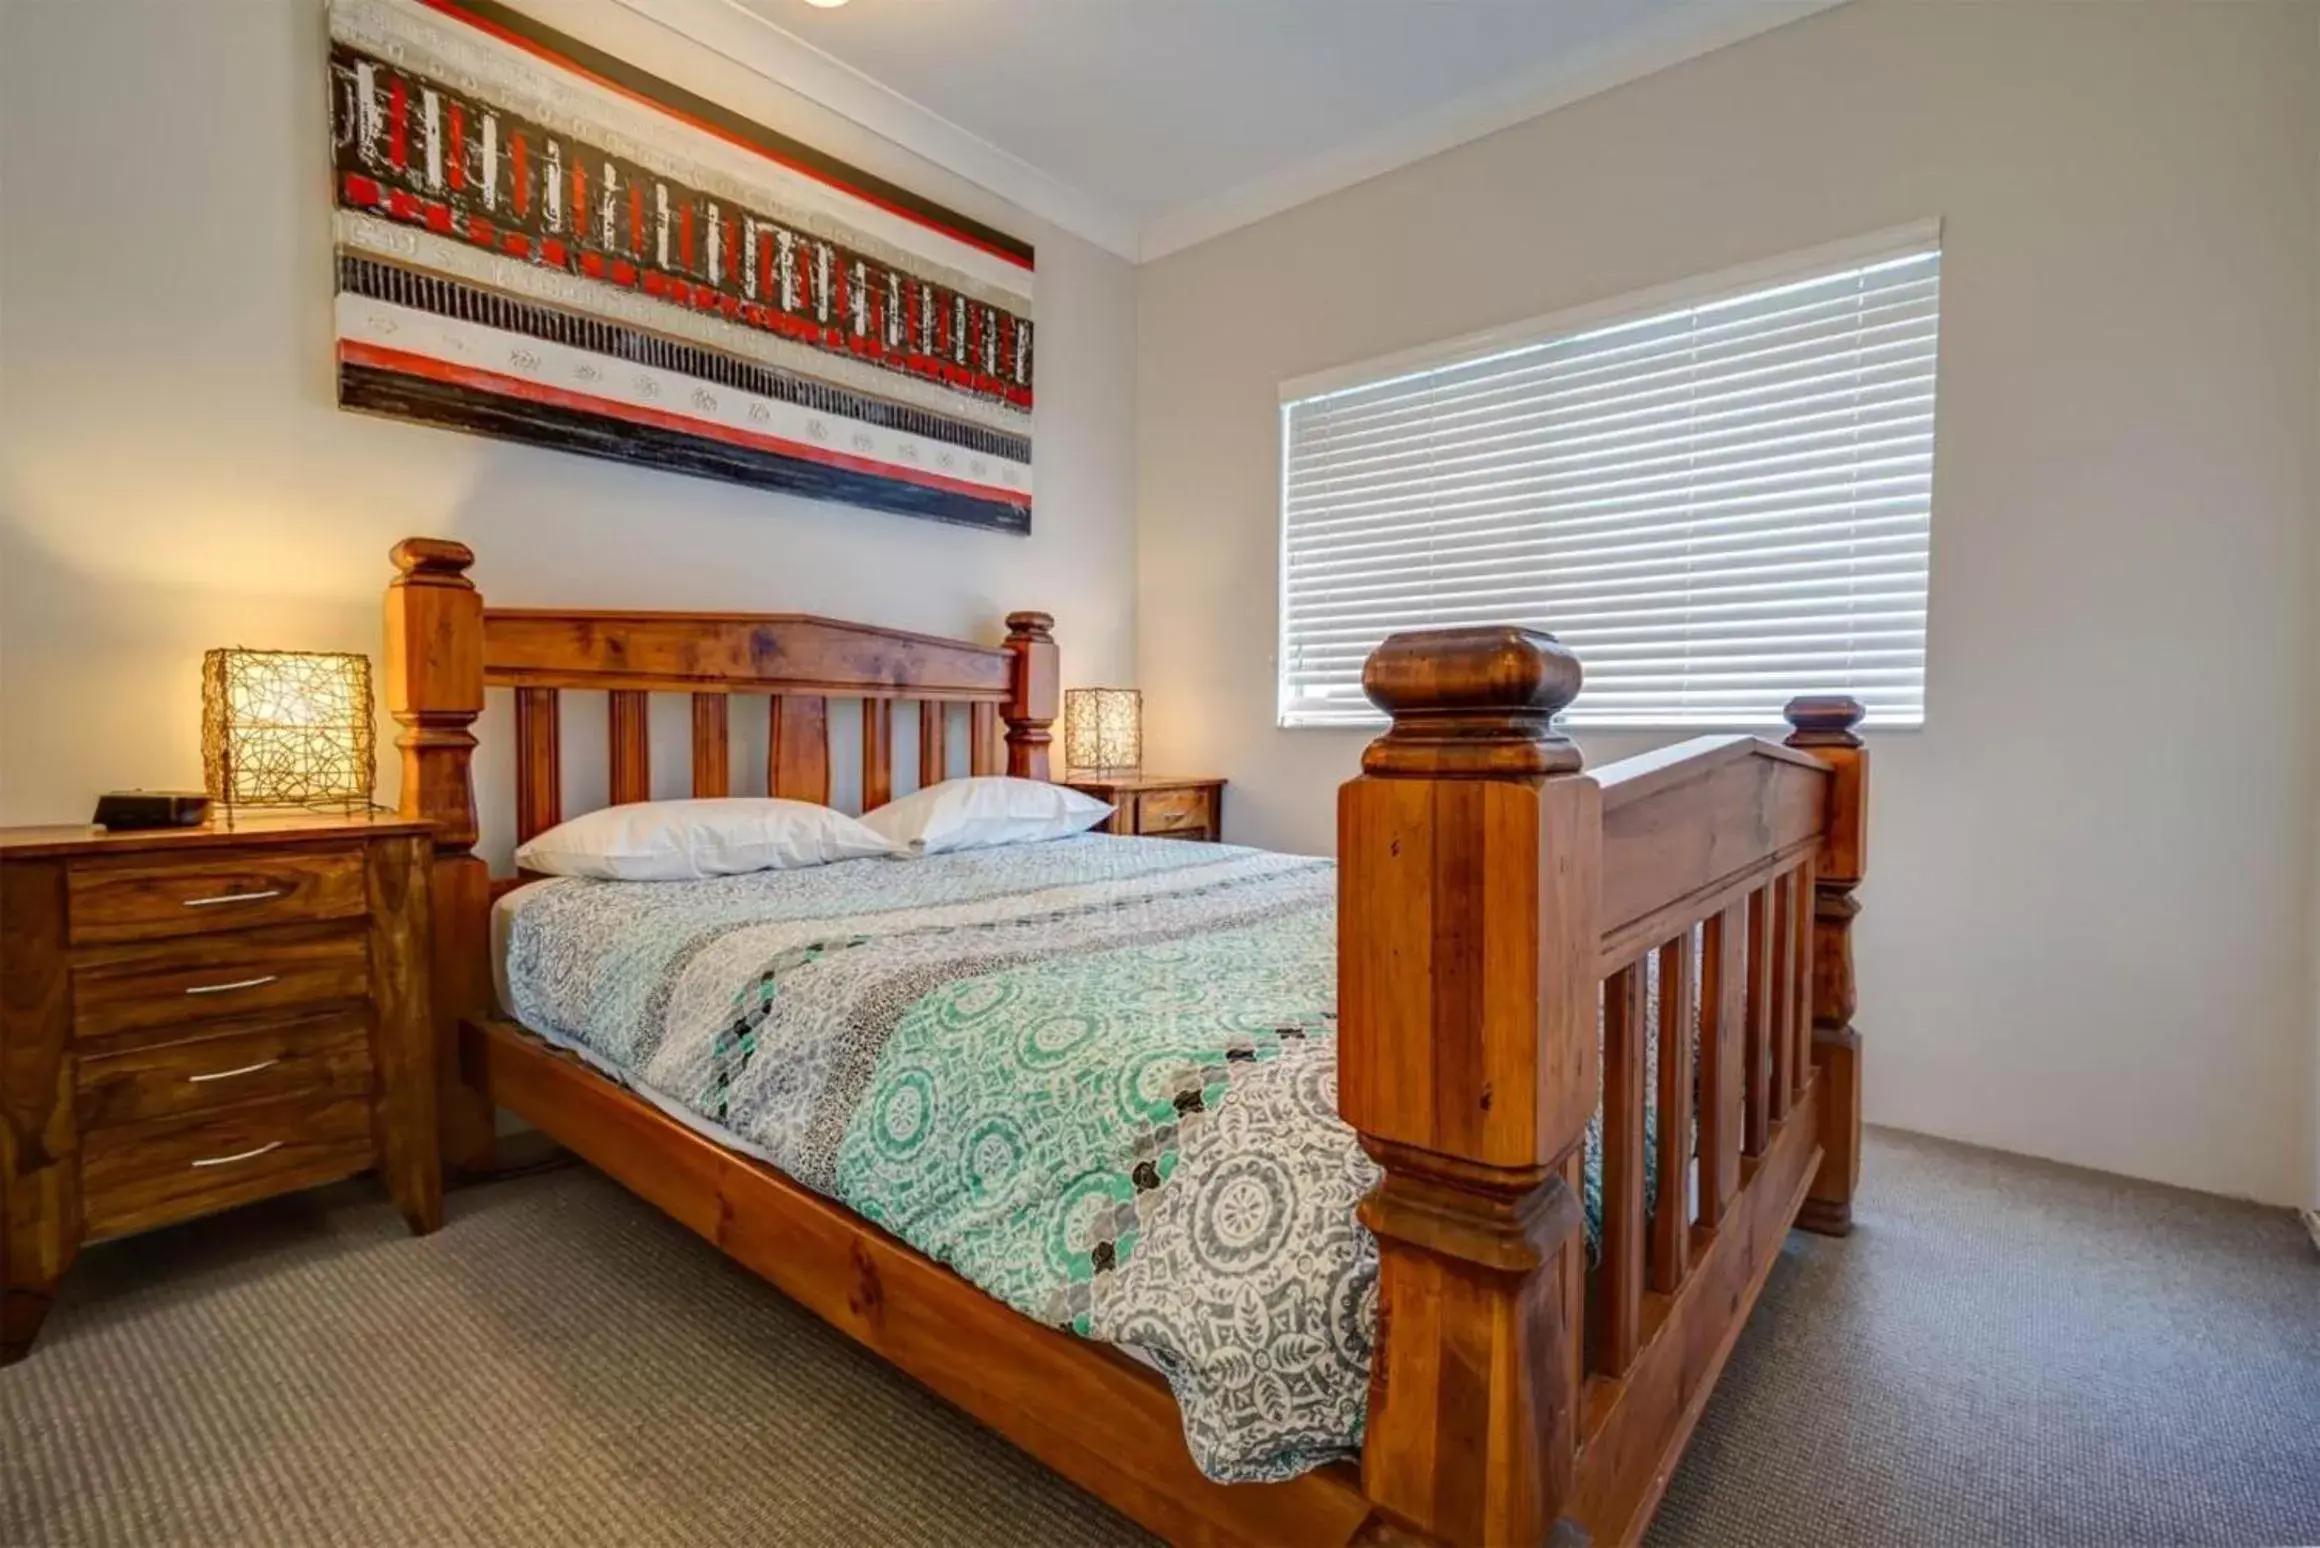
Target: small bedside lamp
{"type": "Point", "coordinates": [1103, 731]}
{"type": "Point", "coordinates": [287, 728]}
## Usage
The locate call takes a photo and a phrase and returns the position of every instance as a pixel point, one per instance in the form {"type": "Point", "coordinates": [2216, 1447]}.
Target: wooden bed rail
{"type": "Point", "coordinates": [1522, 945]}
{"type": "Point", "coordinates": [444, 648]}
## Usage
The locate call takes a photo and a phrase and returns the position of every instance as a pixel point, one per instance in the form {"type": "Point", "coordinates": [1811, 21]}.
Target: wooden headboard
{"type": "Point", "coordinates": [444, 648]}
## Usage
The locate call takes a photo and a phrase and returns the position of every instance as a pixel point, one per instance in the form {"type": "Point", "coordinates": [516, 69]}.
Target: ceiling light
{"type": "Point", "coordinates": [827, 5]}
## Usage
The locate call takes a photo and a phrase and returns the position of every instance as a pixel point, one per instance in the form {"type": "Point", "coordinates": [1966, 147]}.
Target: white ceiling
{"type": "Point", "coordinates": [1147, 125]}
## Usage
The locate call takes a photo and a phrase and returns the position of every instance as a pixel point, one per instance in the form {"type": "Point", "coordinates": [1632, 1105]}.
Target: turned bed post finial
{"type": "Point", "coordinates": [1034, 697]}
{"type": "Point", "coordinates": [1828, 728]}
{"type": "Point", "coordinates": [1470, 857]}
{"type": "Point", "coordinates": [435, 683]}
{"type": "Point", "coordinates": [434, 647]}
{"type": "Point", "coordinates": [1471, 702]}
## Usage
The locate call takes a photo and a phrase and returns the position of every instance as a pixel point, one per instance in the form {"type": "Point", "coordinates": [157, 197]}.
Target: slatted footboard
{"type": "Point", "coordinates": [1524, 946]}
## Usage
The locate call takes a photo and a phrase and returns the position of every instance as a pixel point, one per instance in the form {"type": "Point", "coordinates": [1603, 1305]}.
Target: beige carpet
{"type": "Point", "coordinates": [2005, 1353]}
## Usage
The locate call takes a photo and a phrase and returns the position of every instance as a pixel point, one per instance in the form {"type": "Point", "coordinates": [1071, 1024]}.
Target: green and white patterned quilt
{"type": "Point", "coordinates": [1095, 1076]}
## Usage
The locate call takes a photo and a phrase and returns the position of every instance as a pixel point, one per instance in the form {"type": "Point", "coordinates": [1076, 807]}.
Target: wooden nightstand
{"type": "Point", "coordinates": [194, 1018]}
{"type": "Point", "coordinates": [1152, 807]}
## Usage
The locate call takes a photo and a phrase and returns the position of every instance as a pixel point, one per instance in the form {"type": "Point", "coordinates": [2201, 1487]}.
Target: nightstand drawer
{"type": "Point", "coordinates": [327, 1054]}
{"type": "Point", "coordinates": [150, 1174]}
{"type": "Point", "coordinates": [1159, 806]}
{"type": "Point", "coordinates": [162, 983]}
{"type": "Point", "coordinates": [135, 899]}
{"type": "Point", "coordinates": [1171, 811]}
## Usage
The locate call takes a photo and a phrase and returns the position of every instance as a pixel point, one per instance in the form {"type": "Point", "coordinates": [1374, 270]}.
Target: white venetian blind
{"type": "Point", "coordinates": [1719, 497]}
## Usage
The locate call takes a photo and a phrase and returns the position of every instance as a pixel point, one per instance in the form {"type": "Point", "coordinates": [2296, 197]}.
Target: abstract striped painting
{"type": "Point", "coordinates": [536, 241]}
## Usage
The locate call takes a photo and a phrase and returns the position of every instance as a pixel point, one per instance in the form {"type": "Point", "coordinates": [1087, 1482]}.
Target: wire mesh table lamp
{"type": "Point", "coordinates": [287, 728]}
{"type": "Point", "coordinates": [1103, 732]}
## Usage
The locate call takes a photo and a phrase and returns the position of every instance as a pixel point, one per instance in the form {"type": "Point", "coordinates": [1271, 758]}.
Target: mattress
{"type": "Point", "coordinates": [1096, 1076]}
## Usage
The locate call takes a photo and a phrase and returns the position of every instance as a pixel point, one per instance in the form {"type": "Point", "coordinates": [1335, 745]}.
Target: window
{"type": "Point", "coordinates": [1718, 495]}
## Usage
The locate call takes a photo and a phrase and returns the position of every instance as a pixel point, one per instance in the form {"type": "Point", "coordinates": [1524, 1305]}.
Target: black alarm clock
{"type": "Point", "coordinates": [126, 809]}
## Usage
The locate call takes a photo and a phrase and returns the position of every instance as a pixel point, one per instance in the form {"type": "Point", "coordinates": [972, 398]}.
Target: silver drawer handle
{"type": "Point", "coordinates": [234, 897]}
{"type": "Point", "coordinates": [239, 983]}
{"type": "Point", "coordinates": [243, 1155]}
{"type": "Point", "coordinates": [247, 1069]}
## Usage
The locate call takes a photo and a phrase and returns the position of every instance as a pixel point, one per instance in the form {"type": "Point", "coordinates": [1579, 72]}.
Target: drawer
{"type": "Point", "coordinates": [149, 1174]}
{"type": "Point", "coordinates": [320, 1055]}
{"type": "Point", "coordinates": [139, 898]}
{"type": "Point", "coordinates": [1172, 811]}
{"type": "Point", "coordinates": [165, 983]}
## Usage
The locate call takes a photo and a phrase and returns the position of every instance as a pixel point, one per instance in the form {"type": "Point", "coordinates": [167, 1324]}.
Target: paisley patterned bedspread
{"type": "Point", "coordinates": [1095, 1076]}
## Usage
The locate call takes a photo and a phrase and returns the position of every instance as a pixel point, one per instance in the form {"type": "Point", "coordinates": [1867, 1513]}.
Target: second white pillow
{"type": "Point", "coordinates": [982, 812]}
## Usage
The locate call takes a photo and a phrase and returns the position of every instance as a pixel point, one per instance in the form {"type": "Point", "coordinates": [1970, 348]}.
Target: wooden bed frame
{"type": "Point", "coordinates": [1498, 907]}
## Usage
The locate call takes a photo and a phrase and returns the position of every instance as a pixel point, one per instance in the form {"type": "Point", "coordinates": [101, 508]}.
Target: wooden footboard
{"type": "Point", "coordinates": [1521, 943]}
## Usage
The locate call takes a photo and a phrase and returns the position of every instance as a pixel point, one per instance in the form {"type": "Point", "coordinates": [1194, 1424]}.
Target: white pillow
{"type": "Point", "coordinates": [687, 840]}
{"type": "Point", "coordinates": [982, 812]}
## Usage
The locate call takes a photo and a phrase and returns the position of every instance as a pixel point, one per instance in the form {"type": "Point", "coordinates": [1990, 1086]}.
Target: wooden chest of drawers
{"type": "Point", "coordinates": [195, 1018]}
{"type": "Point", "coordinates": [1154, 806]}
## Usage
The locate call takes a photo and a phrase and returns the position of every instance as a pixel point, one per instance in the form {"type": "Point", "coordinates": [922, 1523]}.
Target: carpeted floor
{"type": "Point", "coordinates": [2005, 1352]}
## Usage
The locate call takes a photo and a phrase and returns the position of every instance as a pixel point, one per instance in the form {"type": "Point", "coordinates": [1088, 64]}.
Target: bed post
{"type": "Point", "coordinates": [1034, 697]}
{"type": "Point", "coordinates": [1470, 852]}
{"type": "Point", "coordinates": [1826, 729]}
{"type": "Point", "coordinates": [435, 691]}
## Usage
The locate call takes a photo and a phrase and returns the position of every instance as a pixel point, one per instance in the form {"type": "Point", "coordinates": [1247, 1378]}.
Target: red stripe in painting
{"type": "Point", "coordinates": [579, 198]}
{"type": "Point", "coordinates": [354, 352]}
{"type": "Point", "coordinates": [635, 219]}
{"type": "Point", "coordinates": [363, 190]}
{"type": "Point", "coordinates": [458, 168]}
{"type": "Point", "coordinates": [398, 123]}
{"type": "Point", "coordinates": [540, 51]}
{"type": "Point", "coordinates": [517, 165]}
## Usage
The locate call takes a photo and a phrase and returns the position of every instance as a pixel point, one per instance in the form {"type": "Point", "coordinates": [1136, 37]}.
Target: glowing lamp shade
{"type": "Point", "coordinates": [287, 728]}
{"type": "Point", "coordinates": [1103, 731]}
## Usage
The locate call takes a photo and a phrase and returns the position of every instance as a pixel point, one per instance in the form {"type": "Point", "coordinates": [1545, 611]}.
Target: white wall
{"type": "Point", "coordinates": [2090, 918]}
{"type": "Point", "coordinates": [2087, 929]}
{"type": "Point", "coordinates": [174, 475]}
